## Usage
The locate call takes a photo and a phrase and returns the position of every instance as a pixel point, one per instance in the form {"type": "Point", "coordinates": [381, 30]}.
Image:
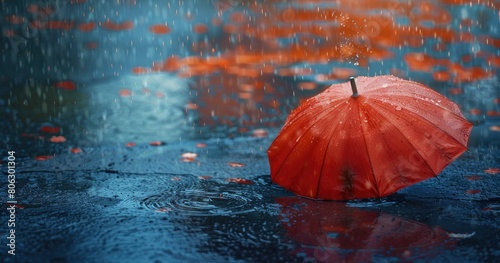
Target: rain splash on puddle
{"type": "Point", "coordinates": [207, 198]}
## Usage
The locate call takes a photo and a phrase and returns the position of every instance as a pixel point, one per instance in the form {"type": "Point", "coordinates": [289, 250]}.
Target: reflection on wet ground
{"type": "Point", "coordinates": [335, 232]}
{"type": "Point", "coordinates": [141, 128]}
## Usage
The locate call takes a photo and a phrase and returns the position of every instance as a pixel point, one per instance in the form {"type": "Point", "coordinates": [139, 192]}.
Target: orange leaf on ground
{"type": "Point", "coordinates": [492, 170]}
{"type": "Point", "coordinates": [130, 144]}
{"type": "Point", "coordinates": [159, 29]}
{"type": "Point", "coordinates": [86, 27]}
{"type": "Point", "coordinates": [50, 129]}
{"type": "Point", "coordinates": [140, 70]}
{"type": "Point", "coordinates": [57, 139]}
{"type": "Point", "coordinates": [239, 181]}
{"type": "Point", "coordinates": [232, 164]}
{"type": "Point", "coordinates": [43, 157]}
{"type": "Point", "coordinates": [127, 25]}
{"type": "Point", "coordinates": [76, 150]}
{"type": "Point", "coordinates": [157, 143]}
{"type": "Point", "coordinates": [125, 92]}
{"type": "Point", "coordinates": [65, 85]}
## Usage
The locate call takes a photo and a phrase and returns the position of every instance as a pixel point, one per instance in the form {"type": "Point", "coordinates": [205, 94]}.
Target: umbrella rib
{"type": "Point", "coordinates": [370, 159]}
{"type": "Point", "coordinates": [406, 138]}
{"type": "Point", "coordinates": [376, 88]}
{"type": "Point", "coordinates": [446, 133]}
{"type": "Point", "coordinates": [435, 125]}
{"type": "Point", "coordinates": [420, 100]}
{"type": "Point", "coordinates": [324, 158]}
{"type": "Point", "coordinates": [326, 112]}
{"type": "Point", "coordinates": [332, 100]}
{"type": "Point", "coordinates": [301, 114]}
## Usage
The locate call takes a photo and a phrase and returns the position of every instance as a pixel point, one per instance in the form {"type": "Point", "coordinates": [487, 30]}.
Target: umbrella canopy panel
{"type": "Point", "coordinates": [395, 133]}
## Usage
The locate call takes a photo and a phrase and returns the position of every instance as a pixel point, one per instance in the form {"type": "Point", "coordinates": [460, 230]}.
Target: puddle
{"type": "Point", "coordinates": [208, 198]}
{"type": "Point", "coordinates": [335, 231]}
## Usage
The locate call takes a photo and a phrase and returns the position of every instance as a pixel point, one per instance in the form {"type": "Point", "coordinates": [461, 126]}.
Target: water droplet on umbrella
{"type": "Point", "coordinates": [398, 107]}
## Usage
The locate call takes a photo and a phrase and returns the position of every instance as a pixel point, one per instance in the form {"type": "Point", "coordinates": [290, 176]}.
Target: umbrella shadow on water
{"type": "Point", "coordinates": [335, 232]}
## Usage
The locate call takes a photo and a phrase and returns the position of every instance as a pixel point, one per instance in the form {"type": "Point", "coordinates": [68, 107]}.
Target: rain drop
{"type": "Point", "coordinates": [398, 107]}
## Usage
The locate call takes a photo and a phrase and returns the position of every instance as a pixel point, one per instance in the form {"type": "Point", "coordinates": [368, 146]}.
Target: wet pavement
{"type": "Point", "coordinates": [146, 203]}
{"type": "Point", "coordinates": [138, 132]}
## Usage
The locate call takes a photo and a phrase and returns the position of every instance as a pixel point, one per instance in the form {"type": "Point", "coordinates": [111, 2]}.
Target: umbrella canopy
{"type": "Point", "coordinates": [342, 145]}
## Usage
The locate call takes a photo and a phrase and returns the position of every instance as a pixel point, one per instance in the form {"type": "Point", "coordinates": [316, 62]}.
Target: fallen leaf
{"type": "Point", "coordinates": [57, 139]}
{"type": "Point", "coordinates": [239, 181]}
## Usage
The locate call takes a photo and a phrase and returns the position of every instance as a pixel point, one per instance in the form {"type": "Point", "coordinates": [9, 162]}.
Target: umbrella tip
{"type": "Point", "coordinates": [354, 88]}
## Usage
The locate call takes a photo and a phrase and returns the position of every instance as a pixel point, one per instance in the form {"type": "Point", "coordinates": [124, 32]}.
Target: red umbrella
{"type": "Point", "coordinates": [342, 145]}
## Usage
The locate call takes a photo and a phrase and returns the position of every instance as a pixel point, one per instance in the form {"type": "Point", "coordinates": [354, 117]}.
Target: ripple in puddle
{"type": "Point", "coordinates": [209, 198]}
